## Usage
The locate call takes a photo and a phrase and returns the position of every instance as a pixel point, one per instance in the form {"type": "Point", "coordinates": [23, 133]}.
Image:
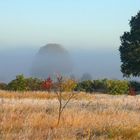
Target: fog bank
{"type": "Point", "coordinates": [98, 63]}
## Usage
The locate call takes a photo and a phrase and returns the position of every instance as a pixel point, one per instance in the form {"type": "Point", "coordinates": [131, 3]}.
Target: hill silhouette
{"type": "Point", "coordinates": [51, 59]}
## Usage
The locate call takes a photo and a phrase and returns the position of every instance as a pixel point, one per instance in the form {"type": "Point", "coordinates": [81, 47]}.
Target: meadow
{"type": "Point", "coordinates": [33, 116]}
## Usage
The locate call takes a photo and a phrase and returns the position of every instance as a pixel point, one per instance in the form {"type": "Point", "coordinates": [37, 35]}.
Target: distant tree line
{"type": "Point", "coordinates": [114, 87]}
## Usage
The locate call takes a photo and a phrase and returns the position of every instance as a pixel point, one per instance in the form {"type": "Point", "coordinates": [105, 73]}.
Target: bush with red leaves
{"type": "Point", "coordinates": [47, 84]}
{"type": "Point", "coordinates": [132, 91]}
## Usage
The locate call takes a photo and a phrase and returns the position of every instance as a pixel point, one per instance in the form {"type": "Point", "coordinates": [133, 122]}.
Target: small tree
{"type": "Point", "coordinates": [59, 87]}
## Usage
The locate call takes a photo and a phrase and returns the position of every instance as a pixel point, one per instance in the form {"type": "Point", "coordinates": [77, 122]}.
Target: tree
{"type": "Point", "coordinates": [130, 48]}
{"type": "Point", "coordinates": [33, 84]}
{"type": "Point", "coordinates": [19, 84]}
{"type": "Point", "coordinates": [59, 86]}
{"type": "Point", "coordinates": [64, 85]}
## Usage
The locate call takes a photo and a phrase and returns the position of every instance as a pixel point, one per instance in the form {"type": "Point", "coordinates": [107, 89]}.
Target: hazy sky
{"type": "Point", "coordinates": [89, 29]}
{"type": "Point", "coordinates": [75, 23]}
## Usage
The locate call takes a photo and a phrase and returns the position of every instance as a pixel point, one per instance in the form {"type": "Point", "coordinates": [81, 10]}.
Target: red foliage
{"type": "Point", "coordinates": [132, 91]}
{"type": "Point", "coordinates": [47, 84]}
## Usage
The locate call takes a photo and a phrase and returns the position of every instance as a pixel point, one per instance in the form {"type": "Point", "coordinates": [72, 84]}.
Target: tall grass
{"type": "Point", "coordinates": [102, 117]}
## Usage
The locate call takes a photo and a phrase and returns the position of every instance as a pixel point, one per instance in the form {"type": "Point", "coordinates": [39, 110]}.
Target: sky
{"type": "Point", "coordinates": [89, 29]}
{"type": "Point", "coordinates": [87, 24]}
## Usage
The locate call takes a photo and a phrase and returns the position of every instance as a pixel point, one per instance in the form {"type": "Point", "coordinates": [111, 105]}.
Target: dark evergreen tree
{"type": "Point", "coordinates": [130, 48]}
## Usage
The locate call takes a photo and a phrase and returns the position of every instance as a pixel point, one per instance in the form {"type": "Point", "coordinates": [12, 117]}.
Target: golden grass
{"type": "Point", "coordinates": [99, 117]}
{"type": "Point", "coordinates": [40, 95]}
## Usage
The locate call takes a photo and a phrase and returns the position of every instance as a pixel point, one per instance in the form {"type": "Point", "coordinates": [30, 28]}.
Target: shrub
{"type": "Point", "coordinates": [33, 84]}
{"type": "Point", "coordinates": [19, 84]}
{"type": "Point", "coordinates": [85, 86]}
{"type": "Point", "coordinates": [24, 84]}
{"type": "Point", "coordinates": [68, 85]}
{"type": "Point", "coordinates": [100, 85]}
{"type": "Point", "coordinates": [47, 84]}
{"type": "Point", "coordinates": [116, 87]}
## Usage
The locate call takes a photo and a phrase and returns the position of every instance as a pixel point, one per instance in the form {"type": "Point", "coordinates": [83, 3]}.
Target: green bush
{"type": "Point", "coordinates": [33, 84]}
{"type": "Point", "coordinates": [85, 86]}
{"type": "Point", "coordinates": [19, 84]}
{"type": "Point", "coordinates": [92, 86]}
{"type": "Point", "coordinates": [100, 85]}
{"type": "Point", "coordinates": [25, 84]}
{"type": "Point", "coordinates": [116, 87]}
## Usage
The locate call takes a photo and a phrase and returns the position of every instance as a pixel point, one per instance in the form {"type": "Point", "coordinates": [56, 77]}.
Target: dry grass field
{"type": "Point", "coordinates": [33, 116]}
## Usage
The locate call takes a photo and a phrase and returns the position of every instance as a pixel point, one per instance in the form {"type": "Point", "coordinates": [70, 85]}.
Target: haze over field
{"type": "Point", "coordinates": [100, 64]}
{"type": "Point", "coordinates": [89, 30]}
